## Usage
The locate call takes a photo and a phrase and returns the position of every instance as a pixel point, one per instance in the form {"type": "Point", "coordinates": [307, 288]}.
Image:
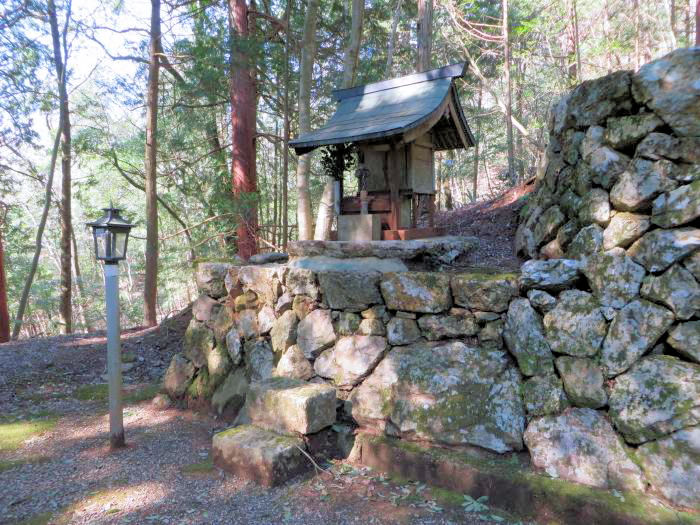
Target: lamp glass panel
{"type": "Point", "coordinates": [119, 245]}
{"type": "Point", "coordinates": [101, 242]}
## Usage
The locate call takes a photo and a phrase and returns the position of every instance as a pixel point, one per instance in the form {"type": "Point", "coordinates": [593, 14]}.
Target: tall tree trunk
{"type": "Point", "coordinates": [425, 35]}
{"type": "Point", "coordinates": [509, 90]}
{"type": "Point", "coordinates": [79, 283]}
{"type": "Point", "coordinates": [308, 51]}
{"type": "Point", "coordinates": [477, 140]}
{"type": "Point", "coordinates": [577, 47]}
{"type": "Point", "coordinates": [324, 219]}
{"type": "Point", "coordinates": [59, 57]}
{"type": "Point", "coordinates": [392, 39]}
{"type": "Point", "coordinates": [39, 236]}
{"type": "Point", "coordinates": [4, 313]}
{"type": "Point", "coordinates": [697, 23]}
{"type": "Point", "coordinates": [243, 128]}
{"type": "Point", "coordinates": [150, 291]}
{"type": "Point", "coordinates": [285, 158]}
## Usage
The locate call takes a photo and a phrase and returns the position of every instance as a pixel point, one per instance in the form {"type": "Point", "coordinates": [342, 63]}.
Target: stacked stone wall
{"type": "Point", "coordinates": [588, 358]}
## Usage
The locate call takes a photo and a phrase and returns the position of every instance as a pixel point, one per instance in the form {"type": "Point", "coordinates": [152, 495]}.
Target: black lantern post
{"type": "Point", "coordinates": [111, 235]}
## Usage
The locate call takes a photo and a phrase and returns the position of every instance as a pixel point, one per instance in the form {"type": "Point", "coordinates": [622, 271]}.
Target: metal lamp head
{"type": "Point", "coordinates": [111, 235]}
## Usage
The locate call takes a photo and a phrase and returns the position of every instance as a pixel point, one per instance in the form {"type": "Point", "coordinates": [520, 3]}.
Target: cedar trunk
{"type": "Point", "coordinates": [425, 34]}
{"type": "Point", "coordinates": [242, 92]}
{"type": "Point", "coordinates": [150, 292]}
{"type": "Point", "coordinates": [308, 51]}
{"type": "Point", "coordinates": [509, 90]}
{"type": "Point", "coordinates": [65, 308]}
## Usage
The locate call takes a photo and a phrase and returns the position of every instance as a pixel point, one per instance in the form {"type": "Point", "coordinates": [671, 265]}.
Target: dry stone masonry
{"type": "Point", "coordinates": [588, 359]}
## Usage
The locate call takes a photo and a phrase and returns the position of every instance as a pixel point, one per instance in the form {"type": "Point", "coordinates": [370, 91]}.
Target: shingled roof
{"type": "Point", "coordinates": [396, 110]}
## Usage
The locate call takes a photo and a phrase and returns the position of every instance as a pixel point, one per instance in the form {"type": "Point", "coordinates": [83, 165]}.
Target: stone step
{"type": "Point", "coordinates": [290, 406]}
{"type": "Point", "coordinates": [259, 455]}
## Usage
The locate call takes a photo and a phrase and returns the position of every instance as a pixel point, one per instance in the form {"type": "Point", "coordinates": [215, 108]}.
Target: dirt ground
{"type": "Point", "coordinates": [493, 222]}
{"type": "Point", "coordinates": [55, 466]}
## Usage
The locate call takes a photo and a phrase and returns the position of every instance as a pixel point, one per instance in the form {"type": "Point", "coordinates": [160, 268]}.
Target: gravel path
{"type": "Point", "coordinates": [67, 474]}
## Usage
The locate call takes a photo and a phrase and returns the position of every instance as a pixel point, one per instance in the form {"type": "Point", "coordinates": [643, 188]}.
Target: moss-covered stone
{"type": "Point", "coordinates": [178, 376]}
{"type": "Point", "coordinates": [547, 225]}
{"type": "Point", "coordinates": [677, 207]}
{"type": "Point", "coordinates": [523, 334]}
{"type": "Point", "coordinates": [659, 395]}
{"type": "Point", "coordinates": [634, 330]}
{"type": "Point", "coordinates": [640, 183]}
{"type": "Point", "coordinates": [615, 278]}
{"type": "Point", "coordinates": [685, 338]}
{"type": "Point", "coordinates": [627, 131]}
{"type": "Point", "coordinates": [624, 229]}
{"type": "Point", "coordinates": [445, 393]}
{"type": "Point", "coordinates": [490, 292]}
{"type": "Point", "coordinates": [587, 241]}
{"type": "Point", "coordinates": [198, 342]}
{"type": "Point", "coordinates": [426, 292]}
{"type": "Point", "coordinates": [675, 288]}
{"type": "Point", "coordinates": [350, 291]}
{"type": "Point", "coordinates": [575, 326]}
{"type": "Point", "coordinates": [434, 327]}
{"type": "Point", "coordinates": [544, 395]}
{"type": "Point", "coordinates": [583, 381]}
{"type": "Point", "coordinates": [659, 249]}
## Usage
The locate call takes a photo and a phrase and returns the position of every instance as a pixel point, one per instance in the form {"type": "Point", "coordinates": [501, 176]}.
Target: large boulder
{"type": "Point", "coordinates": [230, 395]}
{"type": "Point", "coordinates": [548, 224]}
{"type": "Point", "coordinates": [523, 334]}
{"type": "Point", "coordinates": [178, 376]}
{"type": "Point", "coordinates": [587, 241]}
{"type": "Point", "coordinates": [446, 393]}
{"type": "Point", "coordinates": [294, 364]}
{"type": "Point", "coordinates": [291, 406]}
{"type": "Point", "coordinates": [544, 395]}
{"type": "Point", "coordinates": [484, 291]}
{"type": "Point", "coordinates": [640, 183]}
{"type": "Point", "coordinates": [198, 342]}
{"type": "Point", "coordinates": [575, 326]}
{"type": "Point", "coordinates": [624, 229]}
{"type": "Point", "coordinates": [659, 249]}
{"type": "Point", "coordinates": [284, 331]}
{"type": "Point", "coordinates": [351, 359]}
{"type": "Point", "coordinates": [677, 207]}
{"type": "Point", "coordinates": [615, 278]}
{"type": "Point", "coordinates": [626, 131]}
{"type": "Point", "coordinates": [205, 309]}
{"type": "Point", "coordinates": [669, 86]}
{"type": "Point", "coordinates": [259, 455]}
{"type": "Point", "coordinates": [218, 364]}
{"type": "Point", "coordinates": [434, 327]}
{"type": "Point", "coordinates": [595, 208]}
{"type": "Point", "coordinates": [583, 381]}
{"type": "Point", "coordinates": [634, 330]}
{"type": "Point", "coordinates": [580, 445]}
{"type": "Point", "coordinates": [210, 278]}
{"type": "Point", "coordinates": [264, 280]}
{"type": "Point", "coordinates": [593, 101]}
{"type": "Point", "coordinates": [555, 274]}
{"type": "Point", "coordinates": [672, 466]}
{"type": "Point", "coordinates": [259, 359]}
{"type": "Point", "coordinates": [400, 331]}
{"type": "Point", "coordinates": [685, 338]}
{"type": "Point", "coordinates": [350, 291]}
{"type": "Point", "coordinates": [677, 289]}
{"type": "Point", "coordinates": [426, 292]}
{"type": "Point", "coordinates": [659, 395]}
{"type": "Point", "coordinates": [315, 333]}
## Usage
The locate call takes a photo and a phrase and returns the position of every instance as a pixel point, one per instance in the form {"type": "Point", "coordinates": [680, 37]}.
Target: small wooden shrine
{"type": "Point", "coordinates": [395, 127]}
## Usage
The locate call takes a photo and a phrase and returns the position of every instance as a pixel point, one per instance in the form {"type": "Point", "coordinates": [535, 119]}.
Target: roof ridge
{"type": "Point", "coordinates": [456, 70]}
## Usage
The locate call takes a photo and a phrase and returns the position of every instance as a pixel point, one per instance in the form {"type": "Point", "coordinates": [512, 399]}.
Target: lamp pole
{"type": "Point", "coordinates": [111, 236]}
{"type": "Point", "coordinates": [114, 359]}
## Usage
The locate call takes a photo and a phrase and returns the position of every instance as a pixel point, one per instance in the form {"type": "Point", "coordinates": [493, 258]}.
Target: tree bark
{"type": "Point", "coordinates": [324, 219]}
{"type": "Point", "coordinates": [242, 92]}
{"type": "Point", "coordinates": [150, 291]}
{"type": "Point", "coordinates": [39, 236]}
{"type": "Point", "coordinates": [308, 51]}
{"type": "Point", "coordinates": [285, 158]}
{"type": "Point", "coordinates": [477, 141]}
{"type": "Point", "coordinates": [425, 35]}
{"type": "Point", "coordinates": [697, 23]}
{"type": "Point", "coordinates": [4, 313]}
{"type": "Point", "coordinates": [392, 40]}
{"type": "Point", "coordinates": [59, 57]}
{"type": "Point", "coordinates": [79, 284]}
{"type": "Point", "coordinates": [509, 89]}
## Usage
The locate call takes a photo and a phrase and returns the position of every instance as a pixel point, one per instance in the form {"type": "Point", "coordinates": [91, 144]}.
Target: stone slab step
{"type": "Point", "coordinates": [291, 406]}
{"type": "Point", "coordinates": [259, 455]}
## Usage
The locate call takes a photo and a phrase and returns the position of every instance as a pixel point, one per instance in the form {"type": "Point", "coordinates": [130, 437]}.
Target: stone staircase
{"type": "Point", "coordinates": [278, 415]}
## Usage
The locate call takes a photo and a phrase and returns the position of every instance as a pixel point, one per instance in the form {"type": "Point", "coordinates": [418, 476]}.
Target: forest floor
{"type": "Point", "coordinates": [493, 223]}
{"type": "Point", "coordinates": [56, 467]}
